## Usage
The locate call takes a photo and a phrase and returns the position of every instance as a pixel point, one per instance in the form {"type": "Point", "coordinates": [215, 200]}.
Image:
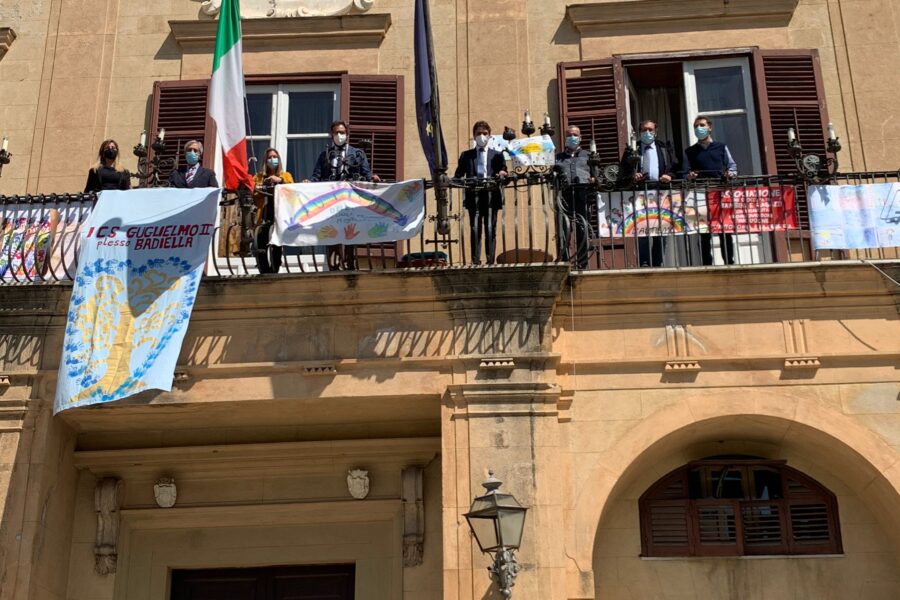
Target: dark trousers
{"type": "Point", "coordinates": [483, 218]}
{"type": "Point", "coordinates": [572, 211]}
{"type": "Point", "coordinates": [726, 243]}
{"type": "Point", "coordinates": [650, 250]}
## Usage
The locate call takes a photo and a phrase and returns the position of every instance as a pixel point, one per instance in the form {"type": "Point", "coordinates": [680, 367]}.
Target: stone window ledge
{"type": "Point", "coordinates": [631, 17]}
{"type": "Point", "coordinates": [287, 33]}
{"type": "Point", "coordinates": [7, 37]}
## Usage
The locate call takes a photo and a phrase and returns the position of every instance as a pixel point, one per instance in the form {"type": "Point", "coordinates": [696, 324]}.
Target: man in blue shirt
{"type": "Point", "coordinates": [654, 166]}
{"type": "Point", "coordinates": [710, 159]}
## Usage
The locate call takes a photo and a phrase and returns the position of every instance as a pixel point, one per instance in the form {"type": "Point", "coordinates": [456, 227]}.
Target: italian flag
{"type": "Point", "coordinates": [226, 97]}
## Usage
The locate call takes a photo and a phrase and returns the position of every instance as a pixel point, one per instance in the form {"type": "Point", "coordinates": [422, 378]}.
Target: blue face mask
{"type": "Point", "coordinates": [572, 141]}
{"type": "Point", "coordinates": [701, 132]}
{"type": "Point", "coordinates": [647, 137]}
{"type": "Point", "coordinates": [272, 162]}
{"type": "Point", "coordinates": [191, 157]}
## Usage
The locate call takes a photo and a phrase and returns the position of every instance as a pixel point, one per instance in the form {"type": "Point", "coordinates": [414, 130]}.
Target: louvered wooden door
{"type": "Point", "coordinates": [790, 94]}
{"type": "Point", "coordinates": [592, 97]}
{"type": "Point", "coordinates": [372, 105]}
{"type": "Point", "coordinates": [180, 108]}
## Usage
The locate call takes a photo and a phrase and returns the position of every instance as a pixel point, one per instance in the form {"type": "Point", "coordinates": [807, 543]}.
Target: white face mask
{"type": "Point", "coordinates": [340, 139]}
{"type": "Point", "coordinates": [481, 140]}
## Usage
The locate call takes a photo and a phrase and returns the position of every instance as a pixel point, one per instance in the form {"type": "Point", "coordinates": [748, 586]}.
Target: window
{"type": "Point", "coordinates": [738, 507]}
{"type": "Point", "coordinates": [293, 119]}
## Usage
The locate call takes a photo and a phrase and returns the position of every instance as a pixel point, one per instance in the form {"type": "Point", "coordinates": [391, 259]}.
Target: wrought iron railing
{"type": "Point", "coordinates": [541, 221]}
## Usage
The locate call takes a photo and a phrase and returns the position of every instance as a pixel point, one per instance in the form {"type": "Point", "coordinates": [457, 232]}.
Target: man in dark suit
{"type": "Point", "coordinates": [647, 167]}
{"type": "Point", "coordinates": [192, 174]}
{"type": "Point", "coordinates": [482, 205]}
{"type": "Point", "coordinates": [342, 162]}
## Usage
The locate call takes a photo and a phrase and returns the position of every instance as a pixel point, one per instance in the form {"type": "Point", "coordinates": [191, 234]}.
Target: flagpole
{"type": "Point", "coordinates": [441, 183]}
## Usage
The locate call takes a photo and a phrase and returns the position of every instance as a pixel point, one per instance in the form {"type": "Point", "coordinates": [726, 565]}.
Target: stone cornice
{"type": "Point", "coordinates": [7, 37]}
{"type": "Point", "coordinates": [627, 17]}
{"type": "Point", "coordinates": [367, 30]}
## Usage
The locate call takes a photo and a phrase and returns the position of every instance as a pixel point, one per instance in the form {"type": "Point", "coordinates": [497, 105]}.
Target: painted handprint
{"type": "Point", "coordinates": [326, 232]}
{"type": "Point", "coordinates": [379, 230]}
{"type": "Point", "coordinates": [350, 231]}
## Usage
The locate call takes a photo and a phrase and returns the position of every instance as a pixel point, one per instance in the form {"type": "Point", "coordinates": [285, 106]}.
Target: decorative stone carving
{"type": "Point", "coordinates": [358, 483]}
{"type": "Point", "coordinates": [107, 499]}
{"type": "Point", "coordinates": [292, 8]}
{"type": "Point", "coordinates": [7, 37]}
{"type": "Point", "coordinates": [165, 492]}
{"type": "Point", "coordinates": [413, 515]}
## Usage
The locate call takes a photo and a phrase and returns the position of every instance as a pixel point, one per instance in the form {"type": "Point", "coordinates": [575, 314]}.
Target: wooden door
{"type": "Point", "coordinates": [312, 582]}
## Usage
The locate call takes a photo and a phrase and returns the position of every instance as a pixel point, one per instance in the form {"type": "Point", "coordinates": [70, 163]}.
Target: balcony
{"type": "Point", "coordinates": [535, 226]}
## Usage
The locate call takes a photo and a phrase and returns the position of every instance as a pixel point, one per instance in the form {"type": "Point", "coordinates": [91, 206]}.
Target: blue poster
{"type": "Point", "coordinates": [848, 217]}
{"type": "Point", "coordinates": [142, 254]}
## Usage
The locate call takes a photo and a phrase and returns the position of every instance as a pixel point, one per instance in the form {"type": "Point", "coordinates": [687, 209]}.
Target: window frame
{"type": "Point", "coordinates": [673, 494]}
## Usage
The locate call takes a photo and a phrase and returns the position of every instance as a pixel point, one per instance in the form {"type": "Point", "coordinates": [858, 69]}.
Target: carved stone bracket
{"type": "Point", "coordinates": [107, 500]}
{"type": "Point", "coordinates": [322, 369]}
{"type": "Point", "coordinates": [798, 363]}
{"type": "Point", "coordinates": [682, 366]}
{"type": "Point", "coordinates": [7, 37]}
{"type": "Point", "coordinates": [4, 381]}
{"type": "Point", "coordinates": [413, 500]}
{"type": "Point", "coordinates": [497, 364]}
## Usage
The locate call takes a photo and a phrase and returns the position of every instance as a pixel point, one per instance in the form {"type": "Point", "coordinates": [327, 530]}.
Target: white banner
{"type": "Point", "coordinates": [847, 217]}
{"type": "Point", "coordinates": [536, 151]}
{"type": "Point", "coordinates": [140, 262]}
{"type": "Point", "coordinates": [38, 240]}
{"type": "Point", "coordinates": [345, 212]}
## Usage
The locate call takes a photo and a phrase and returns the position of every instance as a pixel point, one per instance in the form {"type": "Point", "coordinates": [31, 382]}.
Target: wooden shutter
{"type": "Point", "coordinates": [592, 96]}
{"type": "Point", "coordinates": [812, 516]}
{"type": "Point", "coordinates": [180, 107]}
{"type": "Point", "coordinates": [666, 524]}
{"type": "Point", "coordinates": [372, 105]}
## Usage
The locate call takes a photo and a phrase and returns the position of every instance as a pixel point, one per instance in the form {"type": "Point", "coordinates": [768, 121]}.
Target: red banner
{"type": "Point", "coordinates": [753, 209]}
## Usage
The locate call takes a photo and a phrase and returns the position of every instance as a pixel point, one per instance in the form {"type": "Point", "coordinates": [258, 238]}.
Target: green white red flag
{"type": "Point", "coordinates": [226, 97]}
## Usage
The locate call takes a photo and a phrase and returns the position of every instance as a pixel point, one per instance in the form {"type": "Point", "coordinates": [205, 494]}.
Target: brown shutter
{"type": "Point", "coordinates": [666, 524]}
{"type": "Point", "coordinates": [180, 107]}
{"type": "Point", "coordinates": [812, 516]}
{"type": "Point", "coordinates": [592, 96]}
{"type": "Point", "coordinates": [372, 105]}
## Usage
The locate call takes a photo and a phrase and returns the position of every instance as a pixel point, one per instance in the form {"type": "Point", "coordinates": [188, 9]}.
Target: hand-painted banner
{"type": "Point", "coordinates": [651, 212]}
{"type": "Point", "coordinates": [533, 151]}
{"type": "Point", "coordinates": [39, 240]}
{"type": "Point", "coordinates": [141, 257]}
{"type": "Point", "coordinates": [344, 212]}
{"type": "Point", "coordinates": [846, 217]}
{"type": "Point", "coordinates": [752, 209]}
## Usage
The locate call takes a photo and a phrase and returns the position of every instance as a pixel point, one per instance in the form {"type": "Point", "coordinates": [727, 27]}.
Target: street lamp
{"type": "Point", "coordinates": [497, 521]}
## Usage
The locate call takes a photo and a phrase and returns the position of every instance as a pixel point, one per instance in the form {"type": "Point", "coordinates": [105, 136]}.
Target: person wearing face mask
{"type": "Point", "coordinates": [192, 174]}
{"type": "Point", "coordinates": [342, 162]}
{"type": "Point", "coordinates": [483, 205]}
{"type": "Point", "coordinates": [651, 166]}
{"type": "Point", "coordinates": [107, 173]}
{"type": "Point", "coordinates": [573, 181]}
{"type": "Point", "coordinates": [273, 173]}
{"type": "Point", "coordinates": [708, 158]}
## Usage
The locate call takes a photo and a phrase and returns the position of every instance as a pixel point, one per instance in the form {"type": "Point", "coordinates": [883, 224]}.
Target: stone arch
{"type": "Point", "coordinates": [688, 429]}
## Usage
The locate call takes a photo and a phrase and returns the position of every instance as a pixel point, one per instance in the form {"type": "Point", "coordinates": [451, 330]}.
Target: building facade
{"type": "Point", "coordinates": [721, 432]}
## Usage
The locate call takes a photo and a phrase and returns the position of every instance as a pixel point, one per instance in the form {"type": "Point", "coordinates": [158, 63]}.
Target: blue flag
{"type": "Point", "coordinates": [142, 254]}
{"type": "Point", "coordinates": [427, 115]}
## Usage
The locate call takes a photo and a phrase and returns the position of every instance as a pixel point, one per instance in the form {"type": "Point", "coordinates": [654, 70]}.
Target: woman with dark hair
{"type": "Point", "coordinates": [272, 174]}
{"type": "Point", "coordinates": [107, 173]}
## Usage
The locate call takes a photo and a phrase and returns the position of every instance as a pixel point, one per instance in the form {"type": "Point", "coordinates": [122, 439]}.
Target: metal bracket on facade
{"type": "Point", "coordinates": [796, 363]}
{"type": "Point", "coordinates": [413, 515]}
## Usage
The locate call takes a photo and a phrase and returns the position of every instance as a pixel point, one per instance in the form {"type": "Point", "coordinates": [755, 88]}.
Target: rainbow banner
{"type": "Point", "coordinates": [651, 212]}
{"type": "Point", "coordinates": [348, 212]}
{"type": "Point", "coordinates": [38, 241]}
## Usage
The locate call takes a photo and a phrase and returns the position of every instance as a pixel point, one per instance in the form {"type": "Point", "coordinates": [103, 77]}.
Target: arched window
{"type": "Point", "coordinates": [737, 507]}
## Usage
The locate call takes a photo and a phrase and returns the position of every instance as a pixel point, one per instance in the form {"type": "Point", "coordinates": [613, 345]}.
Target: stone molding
{"type": "Point", "coordinates": [481, 400]}
{"type": "Point", "coordinates": [285, 34]}
{"type": "Point", "coordinates": [628, 17]}
{"type": "Point", "coordinates": [107, 501]}
{"type": "Point", "coordinates": [291, 8]}
{"type": "Point", "coordinates": [288, 457]}
{"type": "Point", "coordinates": [413, 501]}
{"type": "Point", "coordinates": [7, 37]}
